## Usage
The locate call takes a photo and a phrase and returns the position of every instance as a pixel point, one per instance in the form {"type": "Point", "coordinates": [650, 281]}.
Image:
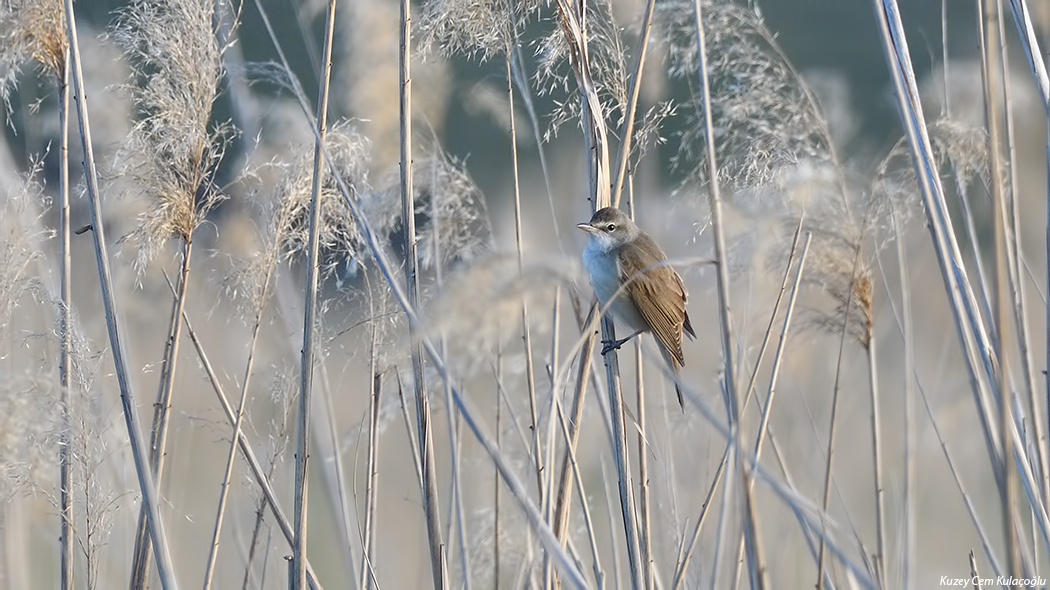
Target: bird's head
{"type": "Point", "coordinates": [610, 228]}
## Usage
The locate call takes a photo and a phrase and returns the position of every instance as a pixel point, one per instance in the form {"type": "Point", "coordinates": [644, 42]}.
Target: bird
{"type": "Point", "coordinates": [631, 277]}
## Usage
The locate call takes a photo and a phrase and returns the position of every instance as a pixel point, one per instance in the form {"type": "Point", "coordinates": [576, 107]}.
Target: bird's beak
{"type": "Point", "coordinates": [586, 227]}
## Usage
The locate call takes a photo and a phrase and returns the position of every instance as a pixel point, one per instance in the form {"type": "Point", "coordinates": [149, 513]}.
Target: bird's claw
{"type": "Point", "coordinates": [611, 345]}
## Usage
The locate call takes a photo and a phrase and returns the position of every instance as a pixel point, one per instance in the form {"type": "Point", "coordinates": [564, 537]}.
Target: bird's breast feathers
{"type": "Point", "coordinates": [605, 274]}
{"type": "Point", "coordinates": [603, 270]}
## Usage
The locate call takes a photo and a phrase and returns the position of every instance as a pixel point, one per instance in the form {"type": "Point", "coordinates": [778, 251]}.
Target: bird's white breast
{"type": "Point", "coordinates": [604, 273]}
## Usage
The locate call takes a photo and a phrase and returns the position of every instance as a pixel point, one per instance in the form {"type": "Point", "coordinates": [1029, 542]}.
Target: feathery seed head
{"type": "Point", "coordinates": [172, 150]}
{"type": "Point", "coordinates": [473, 27]}
{"type": "Point", "coordinates": [30, 29]}
{"type": "Point", "coordinates": [765, 118]}
{"type": "Point", "coordinates": [338, 234]}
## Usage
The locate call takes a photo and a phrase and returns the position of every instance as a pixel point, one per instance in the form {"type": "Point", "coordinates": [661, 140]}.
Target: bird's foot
{"type": "Point", "coordinates": [611, 345]}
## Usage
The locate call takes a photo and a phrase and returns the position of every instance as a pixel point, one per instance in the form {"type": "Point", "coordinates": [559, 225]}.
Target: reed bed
{"type": "Point", "coordinates": [373, 344]}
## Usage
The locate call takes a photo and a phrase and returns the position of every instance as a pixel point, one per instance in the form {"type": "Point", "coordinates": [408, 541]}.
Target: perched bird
{"type": "Point", "coordinates": [652, 298]}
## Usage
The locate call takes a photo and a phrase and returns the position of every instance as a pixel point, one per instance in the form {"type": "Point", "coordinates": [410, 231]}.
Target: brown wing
{"type": "Point", "coordinates": [658, 293]}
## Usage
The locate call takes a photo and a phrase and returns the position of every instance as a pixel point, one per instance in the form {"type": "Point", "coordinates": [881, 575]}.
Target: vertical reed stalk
{"type": "Point", "coordinates": [756, 568]}
{"type": "Point", "coordinates": [334, 473]}
{"type": "Point", "coordinates": [687, 554]}
{"type": "Point", "coordinates": [423, 416]}
{"type": "Point", "coordinates": [1037, 64]}
{"type": "Point", "coordinates": [161, 410]}
{"type": "Point", "coordinates": [830, 448]}
{"type": "Point", "coordinates": [910, 432]}
{"type": "Point", "coordinates": [261, 478]}
{"type": "Point", "coordinates": [309, 319]}
{"type": "Point", "coordinates": [213, 550]}
{"type": "Point", "coordinates": [778, 355]}
{"type": "Point", "coordinates": [526, 333]}
{"type": "Point", "coordinates": [633, 91]}
{"type": "Point", "coordinates": [564, 496]}
{"type": "Point", "coordinates": [599, 575]}
{"type": "Point", "coordinates": [717, 225]}
{"type": "Point", "coordinates": [1018, 298]}
{"type": "Point", "coordinates": [456, 520]}
{"type": "Point", "coordinates": [646, 532]}
{"type": "Point", "coordinates": [574, 25]}
{"type": "Point", "coordinates": [981, 364]}
{"type": "Point", "coordinates": [138, 448]}
{"type": "Point", "coordinates": [372, 472]}
{"type": "Point", "coordinates": [65, 333]}
{"type": "Point", "coordinates": [495, 480]}
{"type": "Point", "coordinates": [988, 22]}
{"type": "Point", "coordinates": [621, 453]}
{"type": "Point", "coordinates": [876, 461]}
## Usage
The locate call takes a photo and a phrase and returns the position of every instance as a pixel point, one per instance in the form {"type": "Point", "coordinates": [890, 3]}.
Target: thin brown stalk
{"type": "Point", "coordinates": [687, 554]}
{"type": "Point", "coordinates": [334, 475]}
{"type": "Point", "coordinates": [161, 411]}
{"type": "Point", "coordinates": [830, 447]}
{"type": "Point", "coordinates": [599, 575]}
{"type": "Point", "coordinates": [644, 508]}
{"type": "Point", "coordinates": [526, 334]}
{"type": "Point", "coordinates": [768, 334]}
{"type": "Point", "coordinates": [138, 448]}
{"type": "Point", "coordinates": [622, 456]}
{"type": "Point", "coordinates": [495, 479]}
{"type": "Point", "coordinates": [554, 409]}
{"type": "Point", "coordinates": [456, 521]}
{"type": "Point", "coordinates": [633, 91]}
{"type": "Point", "coordinates": [309, 315]}
{"type": "Point", "coordinates": [65, 333]}
{"type": "Point", "coordinates": [756, 568]}
{"type": "Point", "coordinates": [910, 431]}
{"type": "Point", "coordinates": [564, 497]}
{"type": "Point", "coordinates": [261, 478]}
{"type": "Point", "coordinates": [966, 497]}
{"type": "Point", "coordinates": [213, 550]}
{"type": "Point", "coordinates": [778, 355]}
{"type": "Point", "coordinates": [367, 581]}
{"type": "Point", "coordinates": [253, 543]}
{"type": "Point", "coordinates": [876, 449]}
{"type": "Point", "coordinates": [1017, 291]}
{"type": "Point", "coordinates": [981, 364]}
{"type": "Point", "coordinates": [423, 416]}
{"type": "Point", "coordinates": [993, 81]}
{"type": "Point", "coordinates": [526, 331]}
{"type": "Point", "coordinates": [645, 516]}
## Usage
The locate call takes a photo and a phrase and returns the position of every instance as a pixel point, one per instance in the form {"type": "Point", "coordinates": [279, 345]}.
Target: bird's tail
{"type": "Point", "coordinates": [673, 364]}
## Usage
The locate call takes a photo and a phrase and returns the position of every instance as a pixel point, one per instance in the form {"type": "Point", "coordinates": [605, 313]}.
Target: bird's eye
{"type": "Point", "coordinates": [610, 227]}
